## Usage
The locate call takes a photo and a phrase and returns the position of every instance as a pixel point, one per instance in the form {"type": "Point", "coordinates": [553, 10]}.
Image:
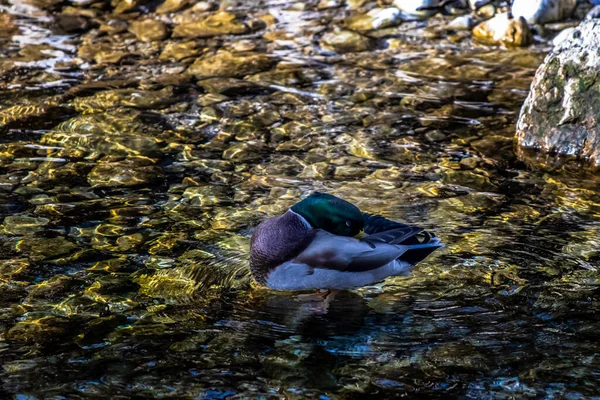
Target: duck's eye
{"type": "Point", "coordinates": [348, 224]}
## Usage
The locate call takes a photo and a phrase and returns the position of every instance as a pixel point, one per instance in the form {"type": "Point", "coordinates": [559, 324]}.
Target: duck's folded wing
{"type": "Point", "coordinates": [377, 223]}
{"type": "Point", "coordinates": [348, 254]}
{"type": "Point", "coordinates": [394, 236]}
{"type": "Point", "coordinates": [382, 230]}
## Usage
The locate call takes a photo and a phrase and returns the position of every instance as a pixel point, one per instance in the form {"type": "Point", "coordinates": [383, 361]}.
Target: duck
{"type": "Point", "coordinates": [313, 246]}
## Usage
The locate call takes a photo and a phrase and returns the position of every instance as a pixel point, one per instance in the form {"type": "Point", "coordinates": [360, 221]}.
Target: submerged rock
{"type": "Point", "coordinates": [179, 51]}
{"type": "Point", "coordinates": [124, 173]}
{"type": "Point", "coordinates": [23, 224]}
{"type": "Point", "coordinates": [171, 6]}
{"type": "Point", "coordinates": [561, 113]}
{"type": "Point", "coordinates": [220, 23]}
{"type": "Point", "coordinates": [8, 25]}
{"type": "Point", "coordinates": [225, 63]}
{"type": "Point", "coordinates": [377, 18]}
{"type": "Point", "coordinates": [543, 11]}
{"type": "Point", "coordinates": [511, 32]}
{"type": "Point", "coordinates": [345, 42]}
{"type": "Point", "coordinates": [44, 248]}
{"type": "Point", "coordinates": [148, 30]}
{"type": "Point", "coordinates": [101, 53]}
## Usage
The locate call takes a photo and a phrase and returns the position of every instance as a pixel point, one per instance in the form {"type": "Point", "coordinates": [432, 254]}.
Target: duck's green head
{"type": "Point", "coordinates": [327, 212]}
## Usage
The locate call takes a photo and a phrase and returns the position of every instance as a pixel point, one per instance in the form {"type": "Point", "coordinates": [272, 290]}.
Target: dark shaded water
{"type": "Point", "coordinates": [128, 187]}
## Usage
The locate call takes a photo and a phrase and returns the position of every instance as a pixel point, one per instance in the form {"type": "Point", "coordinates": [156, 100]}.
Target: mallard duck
{"type": "Point", "coordinates": [312, 246]}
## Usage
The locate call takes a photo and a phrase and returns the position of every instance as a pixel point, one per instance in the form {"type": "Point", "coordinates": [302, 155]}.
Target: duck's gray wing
{"type": "Point", "coordinates": [342, 253]}
{"type": "Point", "coordinates": [382, 230]}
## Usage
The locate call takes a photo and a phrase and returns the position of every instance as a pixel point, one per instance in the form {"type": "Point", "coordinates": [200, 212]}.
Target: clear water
{"type": "Point", "coordinates": [128, 192]}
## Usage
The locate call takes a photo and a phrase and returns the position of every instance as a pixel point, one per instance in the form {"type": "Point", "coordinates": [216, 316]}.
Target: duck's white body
{"type": "Point", "coordinates": [292, 276]}
{"type": "Point", "coordinates": [328, 251]}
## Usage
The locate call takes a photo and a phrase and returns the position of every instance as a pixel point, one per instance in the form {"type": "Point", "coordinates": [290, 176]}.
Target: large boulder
{"type": "Point", "coordinates": [562, 112]}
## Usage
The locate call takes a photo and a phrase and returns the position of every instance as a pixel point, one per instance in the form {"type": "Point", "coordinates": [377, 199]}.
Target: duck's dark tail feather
{"type": "Point", "coordinates": [418, 252]}
{"type": "Point", "coordinates": [420, 243]}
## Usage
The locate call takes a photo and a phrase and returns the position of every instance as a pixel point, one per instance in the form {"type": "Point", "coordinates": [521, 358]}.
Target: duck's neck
{"type": "Point", "coordinates": [303, 221]}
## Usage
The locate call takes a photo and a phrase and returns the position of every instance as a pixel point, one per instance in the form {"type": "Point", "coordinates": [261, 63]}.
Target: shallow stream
{"type": "Point", "coordinates": [130, 180]}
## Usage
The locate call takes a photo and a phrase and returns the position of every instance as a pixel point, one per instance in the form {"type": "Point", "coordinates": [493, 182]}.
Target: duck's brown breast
{"type": "Point", "coordinates": [276, 241]}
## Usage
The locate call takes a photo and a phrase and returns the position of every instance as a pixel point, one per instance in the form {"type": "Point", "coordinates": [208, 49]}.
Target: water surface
{"type": "Point", "coordinates": [129, 184]}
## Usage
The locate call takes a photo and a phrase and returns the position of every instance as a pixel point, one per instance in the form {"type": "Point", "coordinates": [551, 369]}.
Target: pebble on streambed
{"type": "Point", "coordinates": [502, 29]}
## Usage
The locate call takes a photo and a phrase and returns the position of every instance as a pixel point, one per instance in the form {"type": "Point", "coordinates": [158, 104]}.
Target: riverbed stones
{"type": "Point", "coordinates": [39, 248]}
{"type": "Point", "coordinates": [224, 64]}
{"type": "Point", "coordinates": [8, 26]}
{"type": "Point", "coordinates": [543, 11]}
{"type": "Point", "coordinates": [170, 6]}
{"type": "Point", "coordinates": [23, 224]}
{"type": "Point", "coordinates": [130, 172]}
{"type": "Point", "coordinates": [177, 51]}
{"type": "Point", "coordinates": [503, 30]}
{"type": "Point", "coordinates": [230, 86]}
{"type": "Point", "coordinates": [377, 18]}
{"type": "Point", "coordinates": [345, 41]}
{"type": "Point", "coordinates": [562, 111]}
{"type": "Point", "coordinates": [220, 23]}
{"type": "Point", "coordinates": [415, 7]}
{"type": "Point", "coordinates": [101, 53]}
{"type": "Point", "coordinates": [12, 268]}
{"type": "Point", "coordinates": [148, 30]}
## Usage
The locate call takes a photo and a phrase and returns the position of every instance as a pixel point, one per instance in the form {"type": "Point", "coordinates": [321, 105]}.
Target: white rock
{"type": "Point", "coordinates": [411, 7]}
{"type": "Point", "coordinates": [594, 13]}
{"type": "Point", "coordinates": [384, 17]}
{"type": "Point", "coordinates": [377, 18]}
{"type": "Point", "coordinates": [475, 4]}
{"type": "Point", "coordinates": [561, 113]}
{"type": "Point", "coordinates": [464, 23]}
{"type": "Point", "coordinates": [543, 11]}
